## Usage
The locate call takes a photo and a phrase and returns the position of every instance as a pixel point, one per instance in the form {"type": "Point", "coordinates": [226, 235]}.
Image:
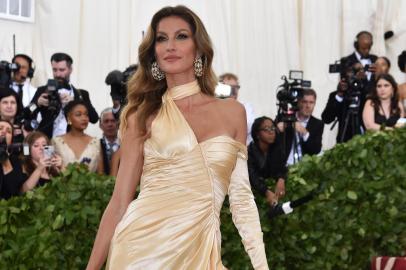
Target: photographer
{"type": "Point", "coordinates": [305, 136]}
{"type": "Point", "coordinates": [40, 165]}
{"type": "Point", "coordinates": [51, 103]}
{"type": "Point", "coordinates": [265, 159]}
{"type": "Point", "coordinates": [21, 79]}
{"type": "Point", "coordinates": [11, 174]}
{"type": "Point", "coordinates": [345, 105]}
{"type": "Point", "coordinates": [10, 110]}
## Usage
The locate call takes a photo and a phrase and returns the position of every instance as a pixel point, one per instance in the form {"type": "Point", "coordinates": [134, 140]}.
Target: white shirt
{"type": "Point", "coordinates": [295, 157]}
{"type": "Point", "coordinates": [364, 62]}
{"type": "Point", "coordinates": [60, 123]}
{"type": "Point", "coordinates": [28, 91]}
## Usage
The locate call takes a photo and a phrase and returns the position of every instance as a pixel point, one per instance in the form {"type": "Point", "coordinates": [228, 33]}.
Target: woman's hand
{"type": "Point", "coordinates": [271, 198]}
{"type": "Point", "coordinates": [56, 161]}
{"type": "Point", "coordinates": [280, 188]}
{"type": "Point", "coordinates": [44, 163]}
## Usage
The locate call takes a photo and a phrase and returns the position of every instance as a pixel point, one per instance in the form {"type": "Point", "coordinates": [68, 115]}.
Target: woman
{"type": "Point", "coordinates": [10, 110]}
{"type": "Point", "coordinates": [382, 65]}
{"type": "Point", "coordinates": [383, 107]}
{"type": "Point", "coordinates": [40, 165]}
{"type": "Point", "coordinates": [75, 145]}
{"type": "Point", "coordinates": [265, 159]}
{"type": "Point", "coordinates": [189, 159]}
{"type": "Point", "coordinates": [402, 87]}
{"type": "Point", "coordinates": [11, 174]}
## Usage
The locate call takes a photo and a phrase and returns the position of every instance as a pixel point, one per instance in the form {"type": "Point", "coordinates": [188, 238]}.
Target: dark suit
{"type": "Point", "coordinates": [261, 167]}
{"type": "Point", "coordinates": [312, 145]}
{"type": "Point", "coordinates": [351, 59]}
{"type": "Point", "coordinates": [105, 156]}
{"type": "Point", "coordinates": [47, 123]}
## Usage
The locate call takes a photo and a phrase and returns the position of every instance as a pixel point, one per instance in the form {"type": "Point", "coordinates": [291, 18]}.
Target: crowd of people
{"type": "Point", "coordinates": [43, 130]}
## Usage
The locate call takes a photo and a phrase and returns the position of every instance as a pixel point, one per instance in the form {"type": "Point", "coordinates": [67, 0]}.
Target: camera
{"type": "Point", "coordinates": [53, 96]}
{"type": "Point", "coordinates": [12, 149]}
{"type": "Point", "coordinates": [5, 73]}
{"type": "Point", "coordinates": [288, 95]}
{"type": "Point", "coordinates": [118, 83]}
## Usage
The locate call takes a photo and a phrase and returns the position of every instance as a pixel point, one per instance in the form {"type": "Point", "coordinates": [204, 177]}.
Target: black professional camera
{"type": "Point", "coordinates": [5, 73]}
{"type": "Point", "coordinates": [118, 83]}
{"type": "Point", "coordinates": [288, 95]}
{"type": "Point", "coordinates": [14, 149]}
{"type": "Point", "coordinates": [53, 96]}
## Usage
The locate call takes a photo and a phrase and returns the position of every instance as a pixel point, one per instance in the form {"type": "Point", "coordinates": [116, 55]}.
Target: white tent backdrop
{"type": "Point", "coordinates": [259, 40]}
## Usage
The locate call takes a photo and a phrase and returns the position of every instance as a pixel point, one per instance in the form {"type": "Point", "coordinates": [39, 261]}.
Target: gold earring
{"type": "Point", "coordinates": [157, 73]}
{"type": "Point", "coordinates": [198, 66]}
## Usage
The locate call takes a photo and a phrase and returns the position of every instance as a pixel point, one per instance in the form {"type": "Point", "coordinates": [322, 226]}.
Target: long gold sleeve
{"type": "Point", "coordinates": [245, 214]}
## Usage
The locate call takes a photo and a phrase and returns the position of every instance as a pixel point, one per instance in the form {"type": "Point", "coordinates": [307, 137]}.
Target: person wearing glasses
{"type": "Point", "coordinates": [265, 159]}
{"type": "Point", "coordinates": [232, 80]}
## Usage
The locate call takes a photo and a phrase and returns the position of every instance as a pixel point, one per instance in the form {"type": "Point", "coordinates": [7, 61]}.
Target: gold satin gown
{"type": "Point", "coordinates": [174, 222]}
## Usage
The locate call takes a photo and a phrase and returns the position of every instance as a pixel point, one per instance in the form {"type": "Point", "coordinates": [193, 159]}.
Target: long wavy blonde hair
{"type": "Point", "coordinates": [144, 92]}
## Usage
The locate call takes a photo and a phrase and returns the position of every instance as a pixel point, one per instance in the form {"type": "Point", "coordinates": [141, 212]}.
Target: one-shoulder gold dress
{"type": "Point", "coordinates": [174, 223]}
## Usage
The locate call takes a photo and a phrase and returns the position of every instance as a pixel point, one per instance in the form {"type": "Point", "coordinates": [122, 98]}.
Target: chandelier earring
{"type": "Point", "coordinates": [157, 73]}
{"type": "Point", "coordinates": [198, 66]}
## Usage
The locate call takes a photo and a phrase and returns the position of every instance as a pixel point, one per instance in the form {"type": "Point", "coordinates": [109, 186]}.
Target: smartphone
{"type": "Point", "coordinates": [49, 151]}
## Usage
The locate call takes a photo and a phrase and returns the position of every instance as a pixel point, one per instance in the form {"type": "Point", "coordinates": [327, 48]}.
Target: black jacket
{"type": "Point", "coordinates": [47, 123]}
{"type": "Point", "coordinates": [312, 146]}
{"type": "Point", "coordinates": [352, 59]}
{"type": "Point", "coordinates": [261, 167]}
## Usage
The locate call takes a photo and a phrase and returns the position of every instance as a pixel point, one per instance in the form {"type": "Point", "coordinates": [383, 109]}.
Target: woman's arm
{"type": "Point", "coordinates": [242, 205]}
{"type": "Point", "coordinates": [368, 116]}
{"type": "Point", "coordinates": [33, 179]}
{"type": "Point", "coordinates": [132, 161]}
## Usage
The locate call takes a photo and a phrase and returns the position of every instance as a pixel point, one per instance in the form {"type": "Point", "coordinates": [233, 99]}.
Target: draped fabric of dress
{"type": "Point", "coordinates": [174, 223]}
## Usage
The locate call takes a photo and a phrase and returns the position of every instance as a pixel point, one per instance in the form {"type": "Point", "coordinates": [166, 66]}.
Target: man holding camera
{"type": "Point", "coordinates": [52, 98]}
{"type": "Point", "coordinates": [305, 137]}
{"type": "Point", "coordinates": [345, 105]}
{"type": "Point", "coordinates": [21, 79]}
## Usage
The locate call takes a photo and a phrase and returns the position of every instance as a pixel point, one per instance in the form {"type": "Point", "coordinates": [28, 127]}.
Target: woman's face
{"type": "Point", "coordinates": [6, 132]}
{"type": "Point", "coordinates": [381, 66]}
{"type": "Point", "coordinates": [79, 117]}
{"type": "Point", "coordinates": [175, 49]}
{"type": "Point", "coordinates": [384, 89]}
{"type": "Point", "coordinates": [8, 107]}
{"type": "Point", "coordinates": [37, 148]}
{"type": "Point", "coordinates": [267, 132]}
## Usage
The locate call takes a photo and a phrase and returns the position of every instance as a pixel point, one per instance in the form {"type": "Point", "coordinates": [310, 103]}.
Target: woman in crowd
{"type": "Point", "coordinates": [265, 159]}
{"type": "Point", "coordinates": [75, 145]}
{"type": "Point", "coordinates": [382, 66]}
{"type": "Point", "coordinates": [383, 108]}
{"type": "Point", "coordinates": [40, 165]}
{"type": "Point", "coordinates": [402, 87]}
{"type": "Point", "coordinates": [10, 110]}
{"type": "Point", "coordinates": [11, 173]}
{"type": "Point", "coordinates": [189, 159]}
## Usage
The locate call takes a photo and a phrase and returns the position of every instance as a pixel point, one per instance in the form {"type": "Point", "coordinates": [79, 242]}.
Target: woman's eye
{"type": "Point", "coordinates": [160, 39]}
{"type": "Point", "coordinates": [182, 36]}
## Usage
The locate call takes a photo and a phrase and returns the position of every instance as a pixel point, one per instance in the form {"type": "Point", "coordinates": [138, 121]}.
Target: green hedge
{"type": "Point", "coordinates": [360, 213]}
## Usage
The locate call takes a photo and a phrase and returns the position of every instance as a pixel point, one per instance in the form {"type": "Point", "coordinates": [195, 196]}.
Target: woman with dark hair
{"type": "Point", "coordinates": [186, 157]}
{"type": "Point", "coordinates": [40, 165]}
{"type": "Point", "coordinates": [402, 87]}
{"type": "Point", "coordinates": [75, 145]}
{"type": "Point", "coordinates": [10, 110]}
{"type": "Point", "coordinates": [265, 159]}
{"type": "Point", "coordinates": [11, 173]}
{"type": "Point", "coordinates": [382, 65]}
{"type": "Point", "coordinates": [383, 107]}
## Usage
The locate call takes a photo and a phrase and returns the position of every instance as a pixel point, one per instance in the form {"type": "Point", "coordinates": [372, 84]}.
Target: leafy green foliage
{"type": "Point", "coordinates": [53, 227]}
{"type": "Point", "coordinates": [359, 213]}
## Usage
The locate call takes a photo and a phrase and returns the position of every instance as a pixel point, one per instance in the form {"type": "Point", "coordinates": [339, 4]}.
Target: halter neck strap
{"type": "Point", "coordinates": [184, 90]}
